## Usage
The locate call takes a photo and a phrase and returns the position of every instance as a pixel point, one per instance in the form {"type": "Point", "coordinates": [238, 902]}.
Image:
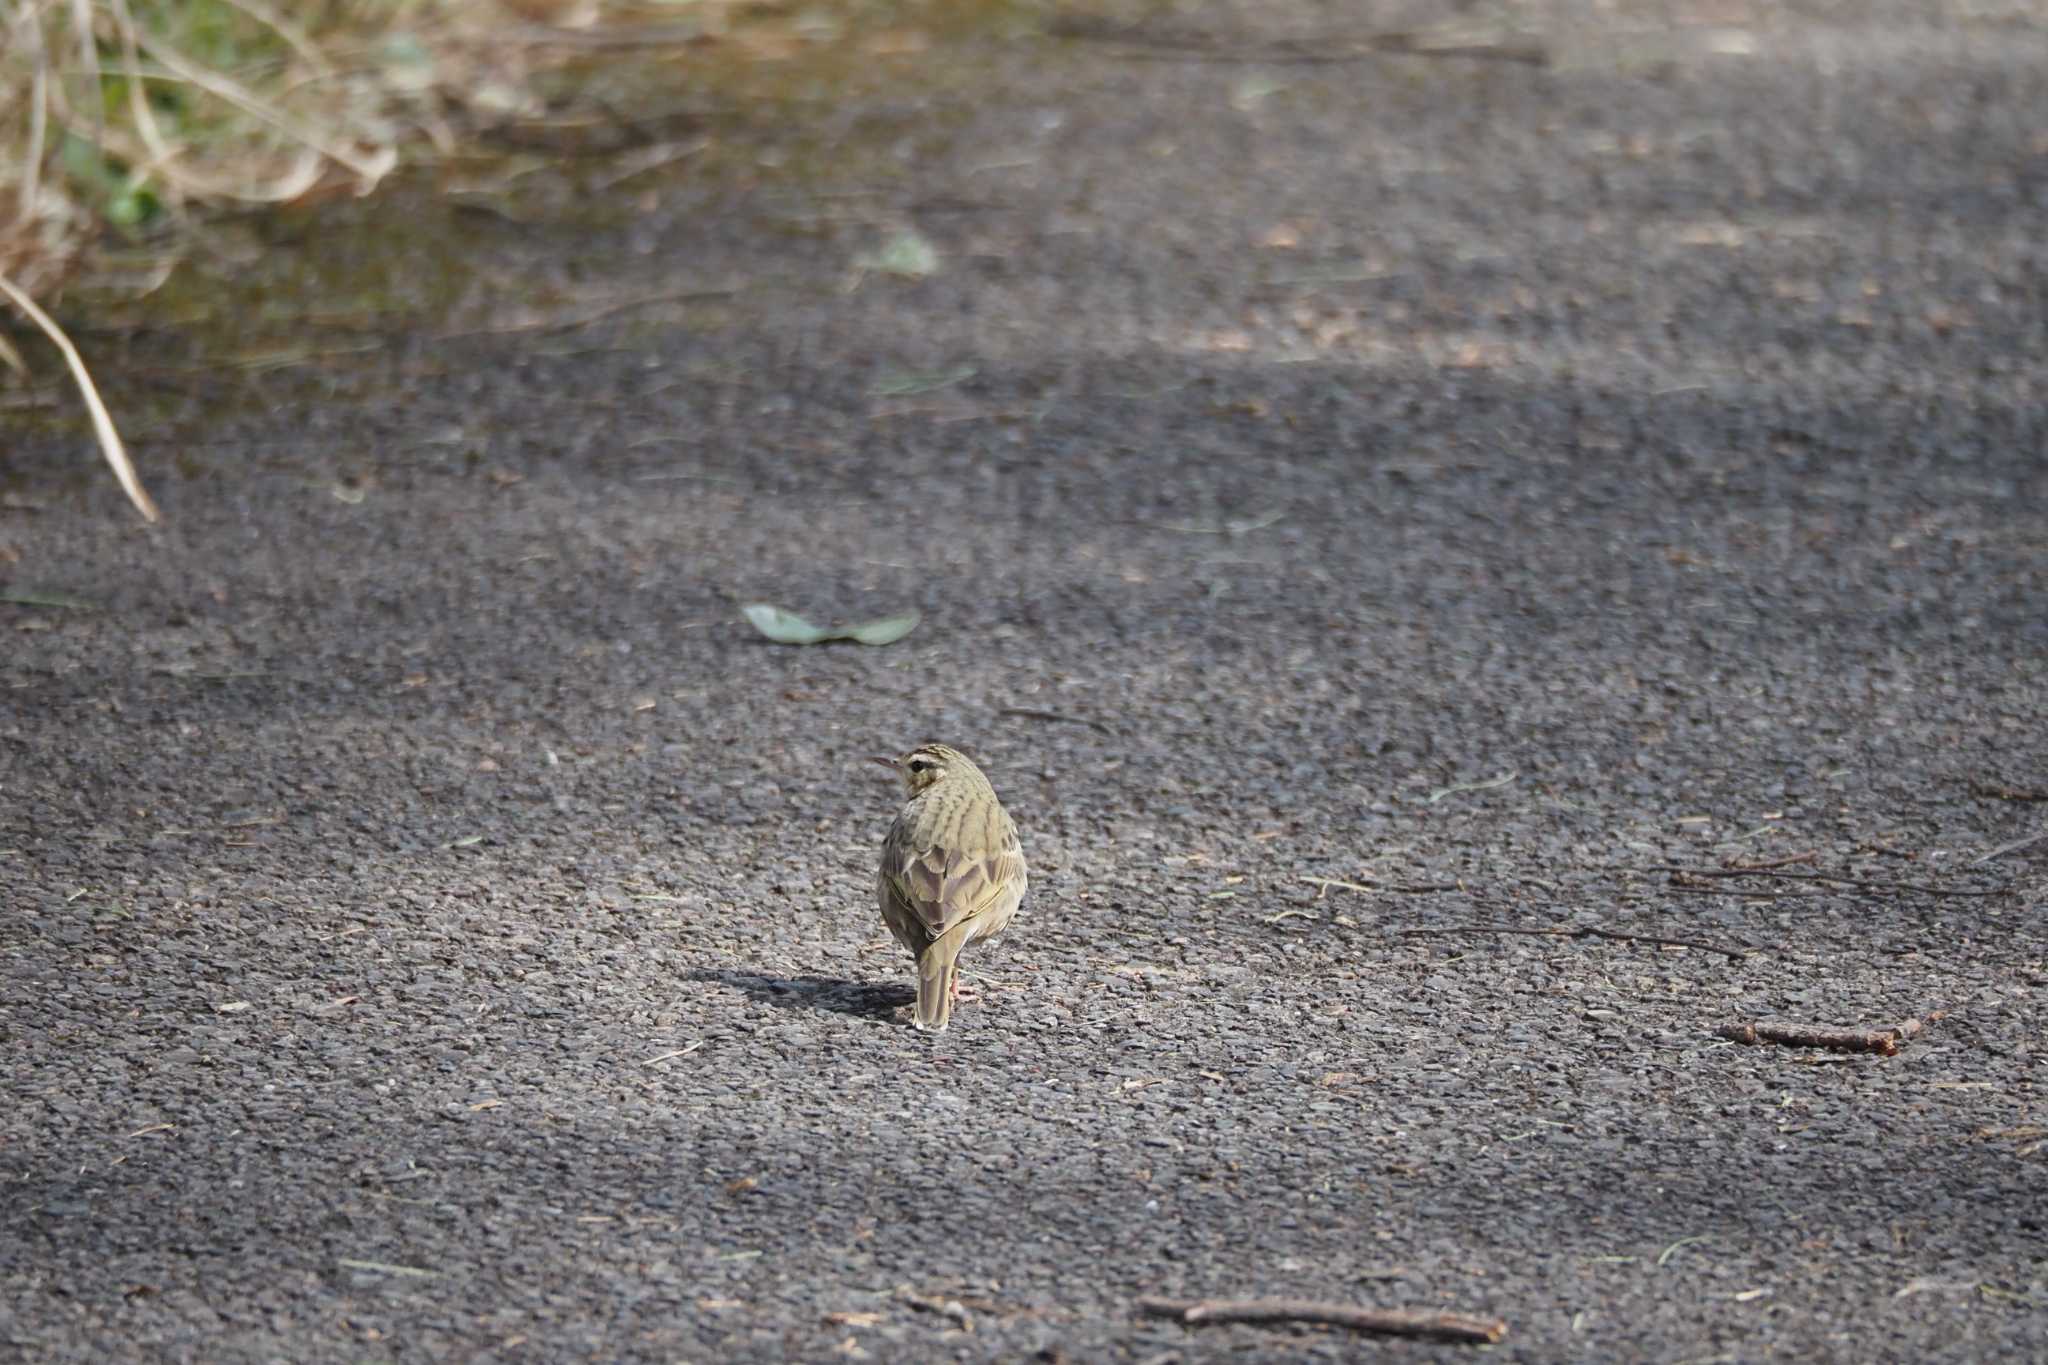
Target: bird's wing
{"type": "Point", "coordinates": [901, 916]}
{"type": "Point", "coordinates": [943, 886]}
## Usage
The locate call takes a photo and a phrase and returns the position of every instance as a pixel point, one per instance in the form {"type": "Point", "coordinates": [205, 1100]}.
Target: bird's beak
{"type": "Point", "coordinates": [885, 761]}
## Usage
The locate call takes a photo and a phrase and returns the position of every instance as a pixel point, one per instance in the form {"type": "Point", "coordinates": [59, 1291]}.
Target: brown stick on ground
{"type": "Point", "coordinates": [1885, 1041]}
{"type": "Point", "coordinates": [1399, 1322]}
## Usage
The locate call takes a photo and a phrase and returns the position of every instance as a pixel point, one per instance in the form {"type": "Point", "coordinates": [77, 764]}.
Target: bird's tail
{"type": "Point", "coordinates": [938, 966]}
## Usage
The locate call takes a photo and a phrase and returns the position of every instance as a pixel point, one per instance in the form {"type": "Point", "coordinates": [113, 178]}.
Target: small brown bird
{"type": "Point", "coordinates": [952, 871]}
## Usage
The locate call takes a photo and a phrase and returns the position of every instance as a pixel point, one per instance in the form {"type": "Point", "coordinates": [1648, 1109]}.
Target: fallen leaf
{"type": "Point", "coordinates": [887, 630]}
{"type": "Point", "coordinates": [783, 627]}
{"type": "Point", "coordinates": [787, 628]}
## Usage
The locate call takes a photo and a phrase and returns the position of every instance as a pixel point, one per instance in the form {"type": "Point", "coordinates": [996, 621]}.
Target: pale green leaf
{"type": "Point", "coordinates": [787, 628]}
{"type": "Point", "coordinates": [783, 627]}
{"type": "Point", "coordinates": [886, 631]}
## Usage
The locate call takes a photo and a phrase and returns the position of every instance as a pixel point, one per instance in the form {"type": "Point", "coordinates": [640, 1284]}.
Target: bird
{"type": "Point", "coordinates": [952, 871]}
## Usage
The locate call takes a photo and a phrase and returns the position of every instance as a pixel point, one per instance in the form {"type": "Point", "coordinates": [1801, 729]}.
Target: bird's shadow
{"type": "Point", "coordinates": [862, 999]}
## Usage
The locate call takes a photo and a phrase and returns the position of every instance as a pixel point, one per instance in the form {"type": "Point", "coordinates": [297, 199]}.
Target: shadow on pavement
{"type": "Point", "coordinates": [864, 999]}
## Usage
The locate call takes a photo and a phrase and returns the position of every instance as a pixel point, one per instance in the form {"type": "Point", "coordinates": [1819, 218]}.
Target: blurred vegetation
{"type": "Point", "coordinates": [121, 117]}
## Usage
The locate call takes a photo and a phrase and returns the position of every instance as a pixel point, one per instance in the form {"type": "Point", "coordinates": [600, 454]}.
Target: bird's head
{"type": "Point", "coordinates": [928, 764]}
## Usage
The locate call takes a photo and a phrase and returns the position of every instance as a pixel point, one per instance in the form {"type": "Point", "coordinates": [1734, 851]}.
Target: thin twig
{"type": "Point", "coordinates": [1413, 889]}
{"type": "Point", "coordinates": [2013, 847]}
{"type": "Point", "coordinates": [1398, 1322]}
{"type": "Point", "coordinates": [1459, 789]}
{"type": "Point", "coordinates": [596, 313]}
{"type": "Point", "coordinates": [1579, 931]}
{"type": "Point", "coordinates": [1058, 717]}
{"type": "Point", "coordinates": [102, 421]}
{"type": "Point", "coordinates": [1858, 882]}
{"type": "Point", "coordinates": [410, 1272]}
{"type": "Point", "coordinates": [1806, 857]}
{"type": "Point", "coordinates": [2001, 792]}
{"type": "Point", "coordinates": [1323, 885]}
{"type": "Point", "coordinates": [1885, 1042]}
{"type": "Point", "coordinates": [646, 159]}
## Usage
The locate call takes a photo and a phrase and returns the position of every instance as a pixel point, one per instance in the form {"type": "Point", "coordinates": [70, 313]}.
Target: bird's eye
{"type": "Point", "coordinates": [918, 765]}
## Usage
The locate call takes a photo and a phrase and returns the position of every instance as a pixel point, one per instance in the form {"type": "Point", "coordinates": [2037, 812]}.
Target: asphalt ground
{"type": "Point", "coordinates": [1374, 516]}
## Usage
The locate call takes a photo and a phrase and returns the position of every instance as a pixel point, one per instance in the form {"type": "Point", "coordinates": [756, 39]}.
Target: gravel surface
{"type": "Point", "coordinates": [433, 926]}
